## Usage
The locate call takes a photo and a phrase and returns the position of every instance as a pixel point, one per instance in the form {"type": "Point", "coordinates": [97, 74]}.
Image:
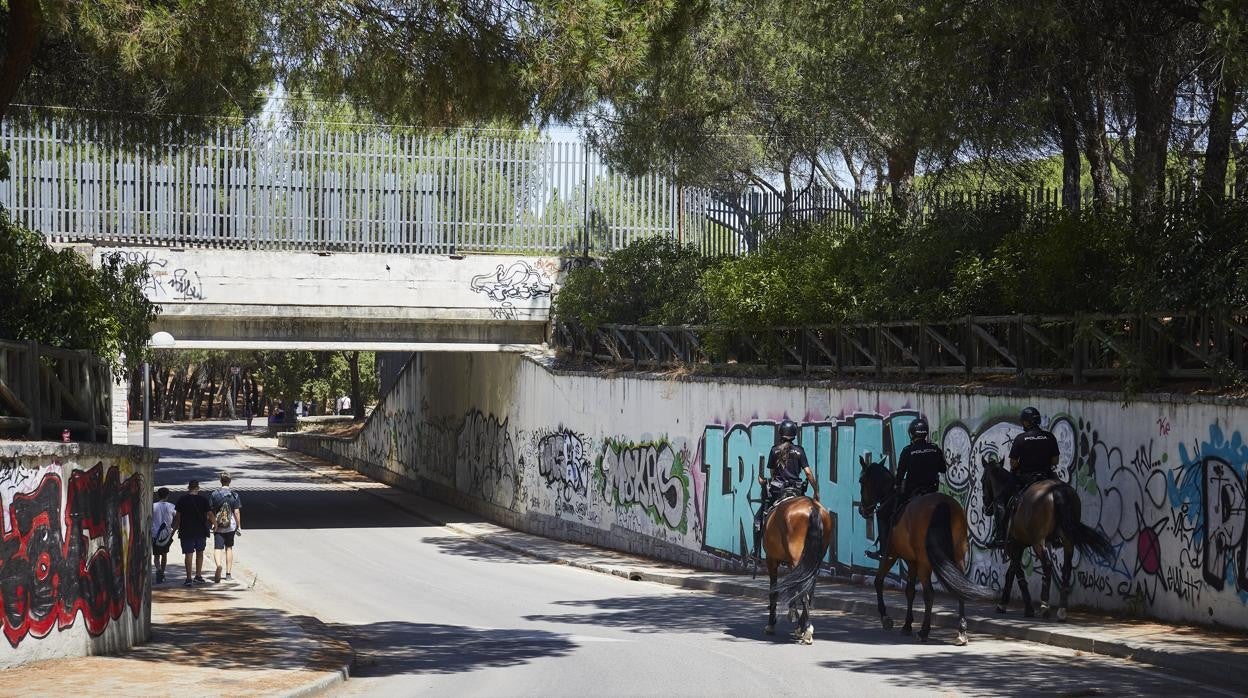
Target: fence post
{"type": "Point", "coordinates": [585, 205]}
{"type": "Point", "coordinates": [1020, 352]}
{"type": "Point", "coordinates": [968, 336]}
{"type": "Point", "coordinates": [922, 349]}
{"type": "Point", "coordinates": [1077, 351]}
{"type": "Point", "coordinates": [36, 390]}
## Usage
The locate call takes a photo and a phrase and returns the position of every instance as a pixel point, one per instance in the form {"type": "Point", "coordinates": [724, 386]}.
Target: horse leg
{"type": "Point", "coordinates": [1016, 561]}
{"type": "Point", "coordinates": [962, 639]}
{"type": "Point", "coordinates": [1068, 552]}
{"type": "Point", "coordinates": [808, 629]}
{"type": "Point", "coordinates": [929, 595]}
{"type": "Point", "coordinates": [885, 565]}
{"type": "Point", "coordinates": [773, 568]}
{"type": "Point", "coordinates": [1046, 567]}
{"type": "Point", "coordinates": [911, 582]}
{"type": "Point", "coordinates": [1004, 603]}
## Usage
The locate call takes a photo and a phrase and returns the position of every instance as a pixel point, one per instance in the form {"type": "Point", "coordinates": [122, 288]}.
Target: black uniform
{"type": "Point", "coordinates": [784, 472]}
{"type": "Point", "coordinates": [1035, 450]}
{"type": "Point", "coordinates": [919, 468]}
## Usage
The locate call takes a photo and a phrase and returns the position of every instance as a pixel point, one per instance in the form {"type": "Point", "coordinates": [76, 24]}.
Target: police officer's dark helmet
{"type": "Point", "coordinates": [1030, 415]}
{"type": "Point", "coordinates": [788, 430]}
{"type": "Point", "coordinates": [919, 429]}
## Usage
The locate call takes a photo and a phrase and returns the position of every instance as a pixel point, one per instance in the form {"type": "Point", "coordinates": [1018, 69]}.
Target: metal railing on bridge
{"type": "Point", "coordinates": [327, 187]}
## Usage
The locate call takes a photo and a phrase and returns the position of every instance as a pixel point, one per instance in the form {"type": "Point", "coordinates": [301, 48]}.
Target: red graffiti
{"type": "Point", "coordinates": [98, 565]}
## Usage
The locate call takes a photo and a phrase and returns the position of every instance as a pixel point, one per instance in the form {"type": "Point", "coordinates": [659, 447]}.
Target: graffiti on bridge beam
{"type": "Point", "coordinates": [92, 557]}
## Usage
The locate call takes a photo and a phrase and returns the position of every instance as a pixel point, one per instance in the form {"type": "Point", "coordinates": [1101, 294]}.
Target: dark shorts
{"type": "Point", "coordinates": [161, 549]}
{"type": "Point", "coordinates": [193, 544]}
{"type": "Point", "coordinates": [220, 541]}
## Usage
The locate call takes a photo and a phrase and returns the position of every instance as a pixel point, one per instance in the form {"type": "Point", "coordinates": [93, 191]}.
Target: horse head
{"type": "Point", "coordinates": [874, 484]}
{"type": "Point", "coordinates": [996, 482]}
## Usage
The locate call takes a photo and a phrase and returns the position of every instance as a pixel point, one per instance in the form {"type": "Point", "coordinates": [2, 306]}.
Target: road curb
{"type": "Point", "coordinates": [1210, 672]}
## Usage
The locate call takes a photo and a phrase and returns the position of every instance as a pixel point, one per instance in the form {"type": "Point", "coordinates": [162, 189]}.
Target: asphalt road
{"type": "Point", "coordinates": [432, 612]}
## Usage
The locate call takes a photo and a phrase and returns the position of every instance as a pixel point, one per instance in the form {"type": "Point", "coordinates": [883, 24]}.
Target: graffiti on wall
{"type": "Point", "coordinates": [1208, 487]}
{"type": "Point", "coordinates": [563, 463]}
{"type": "Point", "coordinates": [487, 464]}
{"type": "Point", "coordinates": [89, 557]}
{"type": "Point", "coordinates": [733, 457]}
{"type": "Point", "coordinates": [651, 476]}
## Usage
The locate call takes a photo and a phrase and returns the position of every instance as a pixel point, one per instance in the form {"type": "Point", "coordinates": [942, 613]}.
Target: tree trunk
{"type": "Point", "coordinates": [1218, 149]}
{"type": "Point", "coordinates": [1072, 164]}
{"type": "Point", "coordinates": [25, 26]}
{"type": "Point", "coordinates": [357, 401]}
{"type": "Point", "coordinates": [902, 161]}
{"type": "Point", "coordinates": [1241, 168]}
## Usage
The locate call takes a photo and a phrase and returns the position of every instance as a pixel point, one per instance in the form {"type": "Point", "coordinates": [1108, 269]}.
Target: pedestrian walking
{"type": "Point", "coordinates": [346, 404]}
{"type": "Point", "coordinates": [162, 532]}
{"type": "Point", "coordinates": [226, 525]}
{"type": "Point", "coordinates": [191, 519]}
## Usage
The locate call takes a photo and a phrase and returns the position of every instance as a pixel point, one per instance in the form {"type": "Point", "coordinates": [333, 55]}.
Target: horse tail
{"type": "Point", "coordinates": [940, 555]}
{"type": "Point", "coordinates": [801, 579]}
{"type": "Point", "coordinates": [1088, 540]}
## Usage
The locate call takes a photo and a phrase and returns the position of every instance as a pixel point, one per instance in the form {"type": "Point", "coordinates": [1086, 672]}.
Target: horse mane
{"type": "Point", "coordinates": [1008, 482]}
{"type": "Point", "coordinates": [878, 477]}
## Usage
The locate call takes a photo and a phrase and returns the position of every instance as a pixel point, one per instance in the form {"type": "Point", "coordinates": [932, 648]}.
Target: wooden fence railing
{"type": "Point", "coordinates": [44, 391]}
{"type": "Point", "coordinates": [1186, 345]}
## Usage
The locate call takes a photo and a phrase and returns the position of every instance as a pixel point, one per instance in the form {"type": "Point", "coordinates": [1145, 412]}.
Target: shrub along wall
{"type": "Point", "coordinates": [668, 468]}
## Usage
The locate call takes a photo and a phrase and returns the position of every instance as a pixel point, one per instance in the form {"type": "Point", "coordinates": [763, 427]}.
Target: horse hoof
{"type": "Point", "coordinates": [1061, 614]}
{"type": "Point", "coordinates": [907, 630]}
{"type": "Point", "coordinates": [923, 636]}
{"type": "Point", "coordinates": [961, 640]}
{"type": "Point", "coordinates": [887, 622]}
{"type": "Point", "coordinates": [808, 638]}
{"type": "Point", "coordinates": [769, 630]}
{"type": "Point", "coordinates": [1045, 611]}
{"type": "Point", "coordinates": [1000, 608]}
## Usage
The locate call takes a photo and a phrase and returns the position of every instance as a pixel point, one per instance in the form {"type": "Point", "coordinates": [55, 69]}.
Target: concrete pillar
{"type": "Point", "coordinates": [120, 426]}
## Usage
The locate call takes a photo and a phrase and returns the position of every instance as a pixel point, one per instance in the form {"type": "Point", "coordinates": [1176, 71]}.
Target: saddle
{"type": "Point", "coordinates": [789, 491]}
{"type": "Point", "coordinates": [902, 503]}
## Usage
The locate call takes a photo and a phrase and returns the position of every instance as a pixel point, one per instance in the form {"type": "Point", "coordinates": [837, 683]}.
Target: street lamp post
{"type": "Point", "coordinates": [160, 340]}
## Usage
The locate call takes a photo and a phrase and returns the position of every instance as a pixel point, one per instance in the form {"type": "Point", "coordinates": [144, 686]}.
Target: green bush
{"type": "Point", "coordinates": [651, 281]}
{"type": "Point", "coordinates": [56, 298]}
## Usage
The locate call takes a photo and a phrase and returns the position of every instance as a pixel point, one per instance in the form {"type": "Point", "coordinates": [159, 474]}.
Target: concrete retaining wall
{"type": "Point", "coordinates": [667, 467]}
{"type": "Point", "coordinates": [75, 551]}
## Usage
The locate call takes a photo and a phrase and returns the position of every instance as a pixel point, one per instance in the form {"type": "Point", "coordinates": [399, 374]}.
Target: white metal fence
{"type": "Point", "coordinates": [326, 186]}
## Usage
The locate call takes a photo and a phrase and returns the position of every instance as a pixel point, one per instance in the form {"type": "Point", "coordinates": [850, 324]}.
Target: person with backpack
{"type": "Point", "coordinates": [227, 523]}
{"type": "Point", "coordinates": [162, 532]}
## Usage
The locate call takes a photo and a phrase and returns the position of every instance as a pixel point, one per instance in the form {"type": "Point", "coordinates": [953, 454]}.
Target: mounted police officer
{"type": "Point", "coordinates": [1033, 457]}
{"type": "Point", "coordinates": [786, 464]}
{"type": "Point", "coordinates": [918, 473]}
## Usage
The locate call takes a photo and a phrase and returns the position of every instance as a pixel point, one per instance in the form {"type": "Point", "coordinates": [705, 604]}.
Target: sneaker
{"type": "Point", "coordinates": [228, 577]}
{"type": "Point", "coordinates": [200, 580]}
{"type": "Point", "coordinates": [216, 578]}
{"type": "Point", "coordinates": [187, 583]}
{"type": "Point", "coordinates": [160, 577]}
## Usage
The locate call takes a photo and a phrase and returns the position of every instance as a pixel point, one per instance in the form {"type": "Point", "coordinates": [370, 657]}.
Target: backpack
{"type": "Point", "coordinates": [222, 518]}
{"type": "Point", "coordinates": [164, 535]}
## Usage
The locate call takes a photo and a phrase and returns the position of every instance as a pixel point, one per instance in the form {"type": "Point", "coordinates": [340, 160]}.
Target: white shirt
{"type": "Point", "coordinates": [162, 512]}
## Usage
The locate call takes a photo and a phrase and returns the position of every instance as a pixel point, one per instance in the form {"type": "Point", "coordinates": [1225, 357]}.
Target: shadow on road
{"type": "Point", "coordinates": [392, 648]}
{"type": "Point", "coordinates": [1010, 673]}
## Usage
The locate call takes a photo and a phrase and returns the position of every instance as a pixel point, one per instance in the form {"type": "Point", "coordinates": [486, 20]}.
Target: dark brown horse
{"type": "Point", "coordinates": [797, 535]}
{"type": "Point", "coordinates": [931, 536]}
{"type": "Point", "coordinates": [1048, 513]}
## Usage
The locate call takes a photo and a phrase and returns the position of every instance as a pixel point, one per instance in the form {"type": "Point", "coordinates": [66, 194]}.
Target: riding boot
{"type": "Point", "coordinates": [881, 546]}
{"type": "Point", "coordinates": [758, 541]}
{"type": "Point", "coordinates": [998, 530]}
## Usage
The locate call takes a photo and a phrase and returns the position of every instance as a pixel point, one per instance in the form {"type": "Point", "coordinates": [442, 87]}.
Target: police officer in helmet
{"type": "Point", "coordinates": [918, 473]}
{"type": "Point", "coordinates": [786, 465]}
{"type": "Point", "coordinates": [1033, 457]}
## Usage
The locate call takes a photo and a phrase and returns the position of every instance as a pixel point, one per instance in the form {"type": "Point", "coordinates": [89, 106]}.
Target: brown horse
{"type": "Point", "coordinates": [1048, 513]}
{"type": "Point", "coordinates": [931, 536]}
{"type": "Point", "coordinates": [796, 534]}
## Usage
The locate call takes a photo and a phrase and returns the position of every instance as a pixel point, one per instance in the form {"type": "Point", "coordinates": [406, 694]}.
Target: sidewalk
{"type": "Point", "coordinates": [1210, 656]}
{"type": "Point", "coordinates": [229, 638]}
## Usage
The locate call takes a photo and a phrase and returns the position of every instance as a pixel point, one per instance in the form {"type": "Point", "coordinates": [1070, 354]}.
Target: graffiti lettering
{"type": "Point", "coordinates": [518, 280]}
{"type": "Point", "coordinates": [487, 460]}
{"type": "Point", "coordinates": [651, 476]}
{"type": "Point", "coordinates": [92, 559]}
{"type": "Point", "coordinates": [562, 462]}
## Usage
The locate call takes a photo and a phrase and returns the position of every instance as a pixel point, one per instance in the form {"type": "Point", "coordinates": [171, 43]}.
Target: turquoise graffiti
{"type": "Point", "coordinates": [1209, 489]}
{"type": "Point", "coordinates": [735, 456]}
